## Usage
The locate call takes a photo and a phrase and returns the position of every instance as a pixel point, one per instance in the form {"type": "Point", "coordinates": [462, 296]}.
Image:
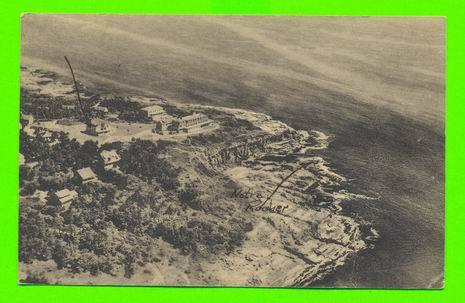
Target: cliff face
{"type": "Point", "coordinates": [240, 151]}
{"type": "Point", "coordinates": [299, 234]}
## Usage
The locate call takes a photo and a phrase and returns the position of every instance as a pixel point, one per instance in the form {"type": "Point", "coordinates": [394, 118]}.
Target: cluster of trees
{"type": "Point", "coordinates": [233, 123]}
{"type": "Point", "coordinates": [113, 227]}
{"type": "Point", "coordinates": [202, 236]}
{"type": "Point", "coordinates": [127, 110]}
{"type": "Point", "coordinates": [175, 111]}
{"type": "Point", "coordinates": [96, 235]}
{"type": "Point", "coordinates": [62, 154]}
{"type": "Point", "coordinates": [81, 239]}
{"type": "Point", "coordinates": [52, 169]}
{"type": "Point", "coordinates": [41, 106]}
{"type": "Point", "coordinates": [56, 164]}
{"type": "Point", "coordinates": [142, 159]}
{"type": "Point", "coordinates": [52, 107]}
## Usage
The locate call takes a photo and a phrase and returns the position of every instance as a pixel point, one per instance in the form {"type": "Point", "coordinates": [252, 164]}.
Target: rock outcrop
{"type": "Point", "coordinates": [240, 151]}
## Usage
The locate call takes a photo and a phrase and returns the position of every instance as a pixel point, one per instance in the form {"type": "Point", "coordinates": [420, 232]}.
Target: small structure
{"type": "Point", "coordinates": [109, 157]}
{"type": "Point", "coordinates": [195, 120]}
{"type": "Point", "coordinates": [87, 175]}
{"type": "Point", "coordinates": [63, 197]}
{"type": "Point", "coordinates": [40, 196]}
{"type": "Point", "coordinates": [97, 127]}
{"type": "Point", "coordinates": [152, 112]}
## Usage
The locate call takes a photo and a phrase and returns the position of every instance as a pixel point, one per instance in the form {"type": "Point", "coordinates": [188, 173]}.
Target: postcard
{"type": "Point", "coordinates": [217, 150]}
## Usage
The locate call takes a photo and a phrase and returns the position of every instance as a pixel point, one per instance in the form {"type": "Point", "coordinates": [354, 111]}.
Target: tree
{"type": "Point", "coordinates": [88, 154]}
{"type": "Point", "coordinates": [38, 233]}
{"type": "Point", "coordinates": [142, 159]}
{"type": "Point", "coordinates": [64, 152]}
{"type": "Point", "coordinates": [33, 148]}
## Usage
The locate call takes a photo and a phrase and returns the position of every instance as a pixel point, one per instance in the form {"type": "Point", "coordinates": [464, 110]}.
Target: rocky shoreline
{"type": "Point", "coordinates": [311, 237]}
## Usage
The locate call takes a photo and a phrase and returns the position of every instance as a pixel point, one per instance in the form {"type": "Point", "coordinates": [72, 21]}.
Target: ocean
{"type": "Point", "coordinates": [402, 162]}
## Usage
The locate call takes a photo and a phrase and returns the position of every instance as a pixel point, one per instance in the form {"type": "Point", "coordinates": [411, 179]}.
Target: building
{"type": "Point", "coordinates": [40, 196]}
{"type": "Point", "coordinates": [152, 112]}
{"type": "Point", "coordinates": [109, 157]}
{"type": "Point", "coordinates": [63, 197]}
{"type": "Point", "coordinates": [86, 175]}
{"type": "Point", "coordinates": [195, 120]}
{"type": "Point", "coordinates": [97, 127]}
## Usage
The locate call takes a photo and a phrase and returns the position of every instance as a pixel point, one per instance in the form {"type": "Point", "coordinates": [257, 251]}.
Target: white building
{"type": "Point", "coordinates": [97, 127]}
{"type": "Point", "coordinates": [109, 157]}
{"type": "Point", "coordinates": [63, 197]}
{"type": "Point", "coordinates": [153, 112]}
{"type": "Point", "coordinates": [87, 175]}
{"type": "Point", "coordinates": [195, 120]}
{"type": "Point", "coordinates": [40, 196]}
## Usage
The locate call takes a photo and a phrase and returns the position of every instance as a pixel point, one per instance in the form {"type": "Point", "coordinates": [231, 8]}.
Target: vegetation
{"type": "Point", "coordinates": [46, 107]}
{"type": "Point", "coordinates": [96, 235]}
{"type": "Point", "coordinates": [127, 110]}
{"type": "Point", "coordinates": [190, 197]}
{"type": "Point", "coordinates": [202, 236]}
{"type": "Point", "coordinates": [175, 111]}
{"type": "Point", "coordinates": [142, 159]}
{"type": "Point", "coordinates": [113, 225]}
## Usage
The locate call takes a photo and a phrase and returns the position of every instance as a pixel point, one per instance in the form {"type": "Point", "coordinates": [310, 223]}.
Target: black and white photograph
{"type": "Point", "coordinates": [232, 151]}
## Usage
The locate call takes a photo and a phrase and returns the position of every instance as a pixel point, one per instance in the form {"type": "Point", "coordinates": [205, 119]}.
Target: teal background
{"type": "Point", "coordinates": [10, 12]}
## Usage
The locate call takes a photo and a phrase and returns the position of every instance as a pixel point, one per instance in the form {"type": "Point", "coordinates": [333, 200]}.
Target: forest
{"type": "Point", "coordinates": [114, 224]}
